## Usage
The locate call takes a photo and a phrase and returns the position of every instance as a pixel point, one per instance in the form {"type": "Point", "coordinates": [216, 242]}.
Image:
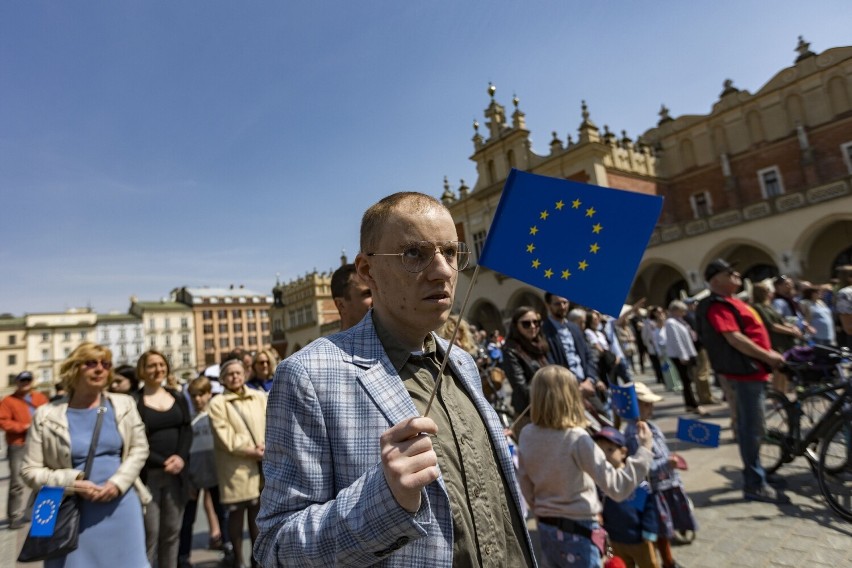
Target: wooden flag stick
{"type": "Point", "coordinates": [518, 419]}
{"type": "Point", "coordinates": [452, 341]}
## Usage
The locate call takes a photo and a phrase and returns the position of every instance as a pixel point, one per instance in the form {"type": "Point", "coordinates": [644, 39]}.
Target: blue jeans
{"type": "Point", "coordinates": [566, 549]}
{"type": "Point", "coordinates": [750, 397]}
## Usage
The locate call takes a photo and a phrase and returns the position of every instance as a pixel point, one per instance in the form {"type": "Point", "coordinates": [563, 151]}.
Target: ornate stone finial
{"type": "Point", "coordinates": [588, 130]}
{"type": "Point", "coordinates": [343, 259]}
{"type": "Point", "coordinates": [729, 88]}
{"type": "Point", "coordinates": [491, 90]}
{"type": "Point", "coordinates": [664, 115]}
{"type": "Point", "coordinates": [448, 196]}
{"type": "Point", "coordinates": [463, 189]}
{"type": "Point", "coordinates": [478, 141]}
{"type": "Point", "coordinates": [570, 141]}
{"type": "Point", "coordinates": [626, 142]}
{"type": "Point", "coordinates": [475, 126]}
{"type": "Point", "coordinates": [555, 144]}
{"type": "Point", "coordinates": [518, 117]}
{"type": "Point", "coordinates": [804, 50]}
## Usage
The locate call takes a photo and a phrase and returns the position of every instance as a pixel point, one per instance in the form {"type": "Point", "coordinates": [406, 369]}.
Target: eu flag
{"type": "Point", "coordinates": [624, 401]}
{"type": "Point", "coordinates": [697, 432]}
{"type": "Point", "coordinates": [45, 509]}
{"type": "Point", "coordinates": [572, 239]}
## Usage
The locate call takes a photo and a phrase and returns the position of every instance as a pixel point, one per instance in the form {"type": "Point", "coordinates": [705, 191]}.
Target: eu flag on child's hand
{"type": "Point", "coordinates": [624, 401]}
{"type": "Point", "coordinates": [45, 509]}
{"type": "Point", "coordinates": [697, 432]}
{"type": "Point", "coordinates": [575, 240]}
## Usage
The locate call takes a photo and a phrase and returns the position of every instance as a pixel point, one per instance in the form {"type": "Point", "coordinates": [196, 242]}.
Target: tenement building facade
{"type": "Point", "coordinates": [763, 179]}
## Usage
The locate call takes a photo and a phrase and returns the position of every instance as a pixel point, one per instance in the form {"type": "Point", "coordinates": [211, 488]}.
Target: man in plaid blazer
{"type": "Point", "coordinates": [352, 475]}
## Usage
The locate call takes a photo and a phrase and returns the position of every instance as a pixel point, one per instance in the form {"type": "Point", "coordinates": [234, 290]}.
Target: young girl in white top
{"type": "Point", "coordinates": [559, 465]}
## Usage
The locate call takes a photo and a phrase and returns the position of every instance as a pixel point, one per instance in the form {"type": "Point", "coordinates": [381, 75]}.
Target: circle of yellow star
{"type": "Point", "coordinates": [576, 204]}
{"type": "Point", "coordinates": [583, 265]}
{"type": "Point", "coordinates": [533, 230]}
{"type": "Point", "coordinates": [536, 263]}
{"type": "Point", "coordinates": [548, 273]}
{"type": "Point", "coordinates": [530, 247]}
{"type": "Point", "coordinates": [565, 274]}
{"type": "Point", "coordinates": [544, 215]}
{"type": "Point", "coordinates": [597, 228]}
{"type": "Point", "coordinates": [590, 212]}
{"type": "Point", "coordinates": [559, 205]}
{"type": "Point", "coordinates": [594, 248]}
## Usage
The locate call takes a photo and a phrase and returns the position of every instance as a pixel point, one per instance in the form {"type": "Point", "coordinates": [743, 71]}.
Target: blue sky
{"type": "Point", "coordinates": [150, 145]}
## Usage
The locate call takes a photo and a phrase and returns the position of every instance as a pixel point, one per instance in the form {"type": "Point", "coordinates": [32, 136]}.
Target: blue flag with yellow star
{"type": "Point", "coordinates": [580, 241]}
{"type": "Point", "coordinates": [698, 432]}
{"type": "Point", "coordinates": [45, 508]}
{"type": "Point", "coordinates": [624, 401]}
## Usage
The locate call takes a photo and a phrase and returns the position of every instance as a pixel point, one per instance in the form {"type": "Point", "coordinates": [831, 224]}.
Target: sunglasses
{"type": "Point", "coordinates": [25, 380]}
{"type": "Point", "coordinates": [527, 324]}
{"type": "Point", "coordinates": [107, 365]}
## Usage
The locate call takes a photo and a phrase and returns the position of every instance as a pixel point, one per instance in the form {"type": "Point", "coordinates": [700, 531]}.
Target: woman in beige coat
{"type": "Point", "coordinates": [238, 419]}
{"type": "Point", "coordinates": [111, 529]}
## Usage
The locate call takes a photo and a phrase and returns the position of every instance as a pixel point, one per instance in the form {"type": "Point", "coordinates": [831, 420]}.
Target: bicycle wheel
{"type": "Point", "coordinates": [814, 408]}
{"type": "Point", "coordinates": [774, 447]}
{"type": "Point", "coordinates": [835, 468]}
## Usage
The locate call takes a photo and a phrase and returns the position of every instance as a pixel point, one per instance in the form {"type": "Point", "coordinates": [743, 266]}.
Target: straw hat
{"type": "Point", "coordinates": [644, 394]}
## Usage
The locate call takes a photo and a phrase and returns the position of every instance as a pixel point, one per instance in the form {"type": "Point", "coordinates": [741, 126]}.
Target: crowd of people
{"type": "Point", "coordinates": [162, 447]}
{"type": "Point", "coordinates": [370, 447]}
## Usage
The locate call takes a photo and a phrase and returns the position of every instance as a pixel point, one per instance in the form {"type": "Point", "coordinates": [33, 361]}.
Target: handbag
{"type": "Point", "coordinates": [67, 527]}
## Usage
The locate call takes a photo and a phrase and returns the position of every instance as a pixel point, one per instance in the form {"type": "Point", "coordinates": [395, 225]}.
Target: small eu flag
{"type": "Point", "coordinates": [572, 239]}
{"type": "Point", "coordinates": [45, 510]}
{"type": "Point", "coordinates": [697, 432]}
{"type": "Point", "coordinates": [624, 401]}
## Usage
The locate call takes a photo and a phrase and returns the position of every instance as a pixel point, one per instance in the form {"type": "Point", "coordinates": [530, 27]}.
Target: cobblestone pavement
{"type": "Point", "coordinates": [732, 532]}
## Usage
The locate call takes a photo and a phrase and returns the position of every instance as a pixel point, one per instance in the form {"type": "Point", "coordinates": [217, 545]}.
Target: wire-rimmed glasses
{"type": "Point", "coordinates": [417, 256]}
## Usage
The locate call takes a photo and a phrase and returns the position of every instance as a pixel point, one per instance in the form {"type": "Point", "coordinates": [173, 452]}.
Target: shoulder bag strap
{"type": "Point", "coordinates": [95, 436]}
{"type": "Point", "coordinates": [243, 418]}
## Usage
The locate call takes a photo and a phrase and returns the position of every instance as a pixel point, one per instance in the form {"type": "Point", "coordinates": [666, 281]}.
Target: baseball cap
{"type": "Point", "coordinates": [644, 394]}
{"type": "Point", "coordinates": [24, 376]}
{"type": "Point", "coordinates": [715, 267]}
{"type": "Point", "coordinates": [611, 434]}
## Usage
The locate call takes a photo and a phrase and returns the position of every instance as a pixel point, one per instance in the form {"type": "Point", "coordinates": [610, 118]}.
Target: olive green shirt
{"type": "Point", "coordinates": [487, 529]}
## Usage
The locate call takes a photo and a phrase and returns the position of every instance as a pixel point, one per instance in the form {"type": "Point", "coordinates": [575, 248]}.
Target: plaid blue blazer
{"type": "Point", "coordinates": [326, 502]}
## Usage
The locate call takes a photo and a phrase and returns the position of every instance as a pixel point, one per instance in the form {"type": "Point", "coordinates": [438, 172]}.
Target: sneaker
{"type": "Point", "coordinates": [766, 494]}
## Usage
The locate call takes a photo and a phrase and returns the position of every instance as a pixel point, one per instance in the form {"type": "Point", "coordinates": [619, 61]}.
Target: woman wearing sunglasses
{"type": "Point", "coordinates": [111, 496]}
{"type": "Point", "coordinates": [525, 353]}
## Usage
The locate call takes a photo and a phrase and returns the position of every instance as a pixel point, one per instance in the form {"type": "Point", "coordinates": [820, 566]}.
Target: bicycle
{"type": "Point", "coordinates": [831, 435]}
{"type": "Point", "coordinates": [816, 372]}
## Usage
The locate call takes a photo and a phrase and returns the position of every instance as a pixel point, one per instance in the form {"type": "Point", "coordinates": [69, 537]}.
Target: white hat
{"type": "Point", "coordinates": [212, 372]}
{"type": "Point", "coordinates": [644, 394]}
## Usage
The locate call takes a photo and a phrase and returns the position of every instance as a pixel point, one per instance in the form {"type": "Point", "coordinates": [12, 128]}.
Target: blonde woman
{"type": "Point", "coordinates": [559, 466]}
{"type": "Point", "coordinates": [238, 419]}
{"type": "Point", "coordinates": [111, 498]}
{"type": "Point", "coordinates": [263, 370]}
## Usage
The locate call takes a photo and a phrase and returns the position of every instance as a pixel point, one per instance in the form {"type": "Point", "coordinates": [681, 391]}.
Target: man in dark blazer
{"type": "Point", "coordinates": [568, 345]}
